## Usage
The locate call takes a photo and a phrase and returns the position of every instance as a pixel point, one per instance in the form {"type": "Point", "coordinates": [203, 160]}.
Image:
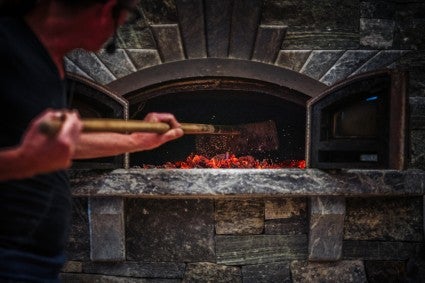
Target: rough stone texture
{"type": "Point", "coordinates": [288, 226]}
{"type": "Point", "coordinates": [191, 24]}
{"type": "Point", "coordinates": [375, 250]}
{"type": "Point", "coordinates": [301, 15]}
{"type": "Point", "coordinates": [314, 40]}
{"type": "Point", "coordinates": [258, 249]}
{"type": "Point", "coordinates": [348, 63]}
{"type": "Point", "coordinates": [118, 63]}
{"type": "Point", "coordinates": [268, 42]}
{"type": "Point", "coordinates": [91, 65]}
{"type": "Point", "coordinates": [417, 133]}
{"type": "Point", "coordinates": [239, 217]}
{"type": "Point", "coordinates": [211, 272]}
{"type": "Point", "coordinates": [72, 68]}
{"type": "Point", "coordinates": [292, 59]}
{"type": "Point", "coordinates": [369, 219]}
{"type": "Point", "coordinates": [270, 272]}
{"type": "Point", "coordinates": [167, 270]}
{"type": "Point", "coordinates": [377, 9]}
{"type": "Point", "coordinates": [78, 247]}
{"type": "Point", "coordinates": [410, 25]}
{"type": "Point", "coordinates": [155, 226]}
{"type": "Point", "coordinates": [213, 183]}
{"type": "Point", "coordinates": [414, 61]}
{"type": "Point", "coordinates": [385, 271]}
{"type": "Point", "coordinates": [144, 58]}
{"type": "Point", "coordinates": [107, 232]}
{"type": "Point", "coordinates": [377, 33]}
{"type": "Point", "coordinates": [218, 16]}
{"type": "Point", "coordinates": [326, 225]}
{"type": "Point", "coordinates": [319, 62]}
{"type": "Point", "coordinates": [285, 208]}
{"type": "Point", "coordinates": [244, 25]}
{"type": "Point", "coordinates": [382, 59]}
{"type": "Point", "coordinates": [342, 271]}
{"type": "Point", "coordinates": [160, 11]}
{"type": "Point", "coordinates": [136, 35]}
{"type": "Point", "coordinates": [417, 113]}
{"type": "Point", "coordinates": [92, 278]}
{"type": "Point", "coordinates": [168, 39]}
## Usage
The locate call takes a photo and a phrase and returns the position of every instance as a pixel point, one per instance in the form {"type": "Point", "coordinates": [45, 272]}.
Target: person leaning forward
{"type": "Point", "coordinates": [35, 199]}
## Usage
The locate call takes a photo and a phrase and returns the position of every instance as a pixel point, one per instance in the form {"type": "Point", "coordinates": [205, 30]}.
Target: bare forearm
{"type": "Point", "coordinates": [92, 145]}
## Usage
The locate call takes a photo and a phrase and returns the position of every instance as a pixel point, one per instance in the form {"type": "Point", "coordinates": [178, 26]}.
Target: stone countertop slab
{"type": "Point", "coordinates": [219, 183]}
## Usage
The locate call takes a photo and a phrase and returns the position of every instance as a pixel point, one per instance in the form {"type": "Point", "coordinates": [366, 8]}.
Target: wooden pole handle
{"type": "Point", "coordinates": [52, 127]}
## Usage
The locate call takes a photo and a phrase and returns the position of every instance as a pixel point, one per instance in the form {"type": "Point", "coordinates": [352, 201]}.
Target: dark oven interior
{"type": "Point", "coordinates": [224, 107]}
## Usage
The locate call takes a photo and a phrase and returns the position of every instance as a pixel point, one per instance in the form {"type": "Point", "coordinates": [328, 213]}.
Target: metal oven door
{"type": "Point", "coordinates": [359, 123]}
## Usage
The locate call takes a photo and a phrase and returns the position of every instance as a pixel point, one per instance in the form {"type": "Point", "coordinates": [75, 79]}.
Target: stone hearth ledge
{"type": "Point", "coordinates": [219, 183]}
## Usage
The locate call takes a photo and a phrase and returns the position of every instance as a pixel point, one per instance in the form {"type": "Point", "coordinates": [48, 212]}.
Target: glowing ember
{"type": "Point", "coordinates": [228, 161]}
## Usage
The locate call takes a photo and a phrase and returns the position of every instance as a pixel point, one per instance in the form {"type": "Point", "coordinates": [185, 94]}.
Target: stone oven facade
{"type": "Point", "coordinates": [234, 225]}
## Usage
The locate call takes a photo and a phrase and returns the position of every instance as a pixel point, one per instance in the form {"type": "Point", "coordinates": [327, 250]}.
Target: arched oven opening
{"type": "Point", "coordinates": [222, 92]}
{"type": "Point", "coordinates": [223, 101]}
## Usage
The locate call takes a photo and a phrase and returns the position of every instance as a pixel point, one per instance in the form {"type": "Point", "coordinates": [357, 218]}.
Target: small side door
{"type": "Point", "coordinates": [361, 122]}
{"type": "Point", "coordinates": [96, 101]}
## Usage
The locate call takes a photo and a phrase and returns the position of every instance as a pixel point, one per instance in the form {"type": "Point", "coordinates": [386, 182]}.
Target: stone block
{"type": "Point", "coordinates": [160, 11]}
{"type": "Point", "coordinates": [107, 231]}
{"type": "Point", "coordinates": [292, 59]}
{"type": "Point", "coordinates": [91, 65]}
{"type": "Point", "coordinates": [144, 58]}
{"type": "Point", "coordinates": [245, 18]}
{"type": "Point", "coordinates": [93, 278]}
{"type": "Point", "coordinates": [326, 225]}
{"type": "Point", "coordinates": [191, 24]}
{"type": "Point", "coordinates": [375, 250]}
{"type": "Point", "coordinates": [269, 272]}
{"type": "Point", "coordinates": [347, 64]}
{"type": "Point", "coordinates": [211, 272]}
{"type": "Point", "coordinates": [417, 153]}
{"type": "Point", "coordinates": [118, 63]}
{"type": "Point", "coordinates": [333, 272]}
{"type": "Point", "coordinates": [169, 42]}
{"type": "Point", "coordinates": [164, 230]}
{"type": "Point", "coordinates": [259, 249]}
{"type": "Point", "coordinates": [385, 271]}
{"type": "Point", "coordinates": [377, 33]}
{"type": "Point", "coordinates": [381, 219]}
{"type": "Point", "coordinates": [381, 60]}
{"type": "Point", "coordinates": [268, 41]}
{"type": "Point", "coordinates": [320, 40]}
{"type": "Point", "coordinates": [319, 62]}
{"type": "Point", "coordinates": [137, 35]}
{"type": "Point", "coordinates": [165, 270]}
{"type": "Point", "coordinates": [417, 112]}
{"type": "Point", "coordinates": [239, 216]}
{"type": "Point", "coordinates": [377, 9]}
{"type": "Point", "coordinates": [307, 15]}
{"type": "Point", "coordinates": [71, 67]}
{"type": "Point", "coordinates": [283, 208]}
{"type": "Point", "coordinates": [218, 16]}
{"type": "Point", "coordinates": [78, 246]}
{"type": "Point", "coordinates": [288, 226]}
{"type": "Point", "coordinates": [410, 25]}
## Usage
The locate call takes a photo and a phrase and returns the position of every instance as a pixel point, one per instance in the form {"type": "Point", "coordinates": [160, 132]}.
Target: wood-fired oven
{"type": "Point", "coordinates": [357, 123]}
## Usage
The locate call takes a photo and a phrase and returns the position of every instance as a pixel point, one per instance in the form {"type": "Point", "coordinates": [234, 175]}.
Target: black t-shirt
{"type": "Point", "coordinates": [35, 212]}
